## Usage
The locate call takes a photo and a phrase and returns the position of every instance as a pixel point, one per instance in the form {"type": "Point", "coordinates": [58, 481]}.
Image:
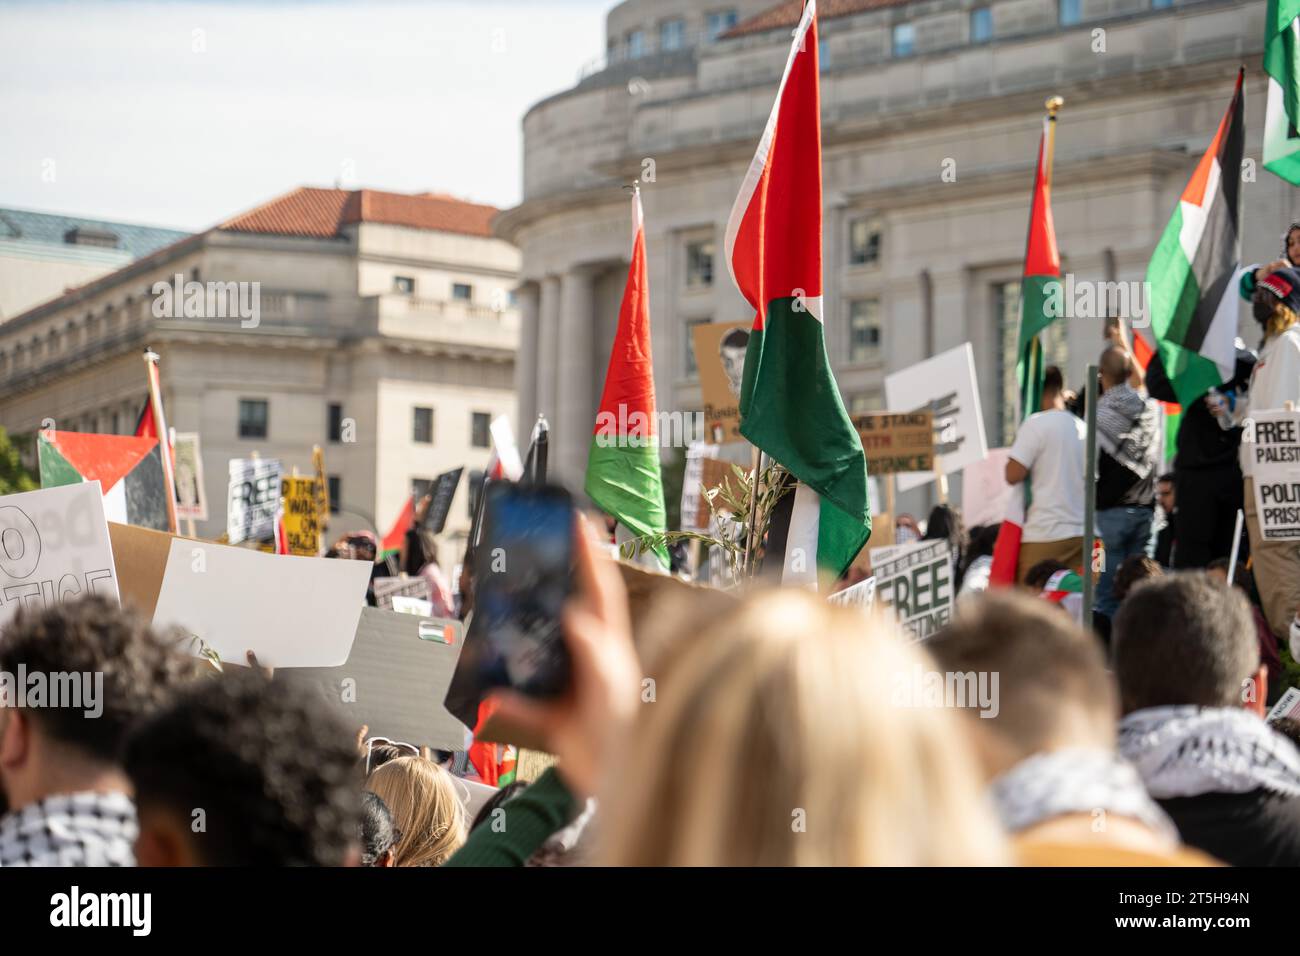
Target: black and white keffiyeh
{"type": "Point", "coordinates": [1075, 780]}
{"type": "Point", "coordinates": [1127, 427]}
{"type": "Point", "coordinates": [1187, 751]}
{"type": "Point", "coordinates": [78, 829]}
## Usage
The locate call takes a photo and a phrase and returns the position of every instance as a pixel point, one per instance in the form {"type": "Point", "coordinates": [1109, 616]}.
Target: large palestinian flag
{"type": "Point", "coordinates": [623, 476]}
{"type": "Point", "coordinates": [1282, 64]}
{"type": "Point", "coordinates": [1041, 278]}
{"type": "Point", "coordinates": [790, 406]}
{"type": "Point", "coordinates": [129, 471]}
{"type": "Point", "coordinates": [1194, 270]}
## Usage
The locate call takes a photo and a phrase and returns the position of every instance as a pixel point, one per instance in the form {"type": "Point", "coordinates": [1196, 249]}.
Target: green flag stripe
{"type": "Point", "coordinates": [623, 479]}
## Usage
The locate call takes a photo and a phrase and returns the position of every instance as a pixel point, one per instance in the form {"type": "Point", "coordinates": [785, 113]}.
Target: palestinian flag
{"type": "Point", "coordinates": [1194, 270]}
{"type": "Point", "coordinates": [129, 471]}
{"type": "Point", "coordinates": [790, 406]}
{"type": "Point", "coordinates": [623, 477]}
{"type": "Point", "coordinates": [1041, 280]}
{"type": "Point", "coordinates": [392, 542]}
{"type": "Point", "coordinates": [1282, 64]}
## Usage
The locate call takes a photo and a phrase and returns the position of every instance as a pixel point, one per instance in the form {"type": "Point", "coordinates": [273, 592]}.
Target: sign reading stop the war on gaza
{"type": "Point", "coordinates": [896, 443]}
{"type": "Point", "coordinates": [1271, 440]}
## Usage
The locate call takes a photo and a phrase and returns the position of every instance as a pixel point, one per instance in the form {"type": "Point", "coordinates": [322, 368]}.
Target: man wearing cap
{"type": "Point", "coordinates": [1274, 382]}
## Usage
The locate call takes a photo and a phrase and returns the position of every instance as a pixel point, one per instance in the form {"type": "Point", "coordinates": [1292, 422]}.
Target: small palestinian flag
{"type": "Point", "coordinates": [1282, 64]}
{"type": "Point", "coordinates": [623, 476]}
{"type": "Point", "coordinates": [1194, 271]}
{"type": "Point", "coordinates": [128, 469]}
{"type": "Point", "coordinates": [790, 406]}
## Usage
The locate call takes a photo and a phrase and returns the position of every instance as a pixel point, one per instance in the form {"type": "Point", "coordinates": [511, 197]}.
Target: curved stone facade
{"type": "Point", "coordinates": [931, 116]}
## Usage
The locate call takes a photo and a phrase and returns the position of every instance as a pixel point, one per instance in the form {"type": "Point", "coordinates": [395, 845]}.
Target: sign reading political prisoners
{"type": "Point", "coordinates": [54, 547]}
{"type": "Point", "coordinates": [254, 499]}
{"type": "Point", "coordinates": [191, 502]}
{"type": "Point", "coordinates": [720, 358]}
{"type": "Point", "coordinates": [1271, 441]}
{"type": "Point", "coordinates": [946, 386]}
{"type": "Point", "coordinates": [897, 442]}
{"type": "Point", "coordinates": [301, 526]}
{"type": "Point", "coordinates": [917, 584]}
{"type": "Point", "coordinates": [862, 594]}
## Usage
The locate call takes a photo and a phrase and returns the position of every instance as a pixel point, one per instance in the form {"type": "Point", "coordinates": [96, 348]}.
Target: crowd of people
{"type": "Point", "coordinates": [770, 727]}
{"type": "Point", "coordinates": [779, 729]}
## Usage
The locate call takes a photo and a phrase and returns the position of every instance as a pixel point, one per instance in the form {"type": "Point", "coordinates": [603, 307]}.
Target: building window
{"type": "Point", "coordinates": [1069, 12]}
{"type": "Point", "coordinates": [692, 369]}
{"type": "Point", "coordinates": [864, 243]}
{"type": "Point", "coordinates": [336, 493]}
{"type": "Point", "coordinates": [422, 426]}
{"type": "Point", "coordinates": [672, 35]}
{"type": "Point", "coordinates": [334, 424]}
{"type": "Point", "coordinates": [719, 23]}
{"type": "Point", "coordinates": [480, 433]}
{"type": "Point", "coordinates": [981, 25]}
{"type": "Point", "coordinates": [636, 44]}
{"type": "Point", "coordinates": [403, 285]}
{"type": "Point", "coordinates": [699, 264]}
{"type": "Point", "coordinates": [117, 423]}
{"type": "Point", "coordinates": [462, 292]}
{"type": "Point", "coordinates": [823, 55]}
{"type": "Point", "coordinates": [904, 39]}
{"type": "Point", "coordinates": [864, 330]}
{"type": "Point", "coordinates": [254, 418]}
{"type": "Point", "coordinates": [860, 403]}
{"type": "Point", "coordinates": [1161, 4]}
{"type": "Point", "coordinates": [1006, 308]}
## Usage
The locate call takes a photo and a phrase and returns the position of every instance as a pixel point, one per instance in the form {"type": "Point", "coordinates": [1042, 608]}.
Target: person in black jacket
{"type": "Point", "coordinates": [1193, 690]}
{"type": "Point", "coordinates": [1206, 471]}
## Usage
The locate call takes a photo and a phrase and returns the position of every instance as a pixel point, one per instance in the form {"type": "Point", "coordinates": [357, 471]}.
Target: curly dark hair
{"type": "Point", "coordinates": [272, 767]}
{"type": "Point", "coordinates": [141, 670]}
{"type": "Point", "coordinates": [378, 832]}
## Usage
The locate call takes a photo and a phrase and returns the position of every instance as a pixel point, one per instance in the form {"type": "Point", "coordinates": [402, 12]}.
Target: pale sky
{"type": "Point", "coordinates": [137, 117]}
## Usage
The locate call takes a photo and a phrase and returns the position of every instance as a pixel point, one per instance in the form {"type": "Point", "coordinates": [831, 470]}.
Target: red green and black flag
{"type": "Point", "coordinates": [790, 406]}
{"type": "Point", "coordinates": [623, 474]}
{"type": "Point", "coordinates": [1193, 274]}
{"type": "Point", "coordinates": [129, 470]}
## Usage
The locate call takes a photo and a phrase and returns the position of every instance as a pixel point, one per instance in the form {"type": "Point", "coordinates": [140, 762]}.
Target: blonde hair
{"type": "Point", "coordinates": [426, 809]}
{"type": "Point", "coordinates": [776, 737]}
{"type": "Point", "coordinates": [1281, 320]}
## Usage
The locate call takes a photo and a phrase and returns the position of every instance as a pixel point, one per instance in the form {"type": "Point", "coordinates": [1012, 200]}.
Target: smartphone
{"type": "Point", "coordinates": [523, 577]}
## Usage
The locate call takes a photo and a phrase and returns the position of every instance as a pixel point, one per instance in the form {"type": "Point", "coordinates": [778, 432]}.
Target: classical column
{"type": "Point", "coordinates": [548, 343]}
{"type": "Point", "coordinates": [526, 363]}
{"type": "Point", "coordinates": [576, 394]}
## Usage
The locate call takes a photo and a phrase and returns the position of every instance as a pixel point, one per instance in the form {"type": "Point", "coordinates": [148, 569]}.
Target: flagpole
{"type": "Point", "coordinates": [1053, 106]}
{"type": "Point", "coordinates": [751, 543]}
{"type": "Point", "coordinates": [1090, 496]}
{"type": "Point", "coordinates": [164, 443]}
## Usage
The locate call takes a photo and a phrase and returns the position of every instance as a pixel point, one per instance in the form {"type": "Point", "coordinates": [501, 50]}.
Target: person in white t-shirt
{"type": "Point", "coordinates": [1049, 454]}
{"type": "Point", "coordinates": [1274, 382]}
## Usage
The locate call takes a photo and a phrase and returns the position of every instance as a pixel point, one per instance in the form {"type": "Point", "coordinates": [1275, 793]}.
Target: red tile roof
{"type": "Point", "coordinates": [322, 213]}
{"type": "Point", "coordinates": [787, 14]}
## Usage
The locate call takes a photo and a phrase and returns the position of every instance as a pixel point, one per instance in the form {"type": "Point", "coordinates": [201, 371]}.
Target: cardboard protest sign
{"type": "Point", "coordinates": [1271, 442]}
{"type": "Point", "coordinates": [897, 442]}
{"type": "Point", "coordinates": [322, 486]}
{"type": "Point", "coordinates": [985, 493]}
{"type": "Point", "coordinates": [442, 492]}
{"type": "Point", "coordinates": [720, 357]}
{"type": "Point", "coordinates": [129, 471]}
{"type": "Point", "coordinates": [253, 500]}
{"type": "Point", "coordinates": [191, 501]}
{"type": "Point", "coordinates": [715, 473]}
{"type": "Point", "coordinates": [862, 594]}
{"type": "Point", "coordinates": [301, 525]}
{"type": "Point", "coordinates": [917, 585]}
{"type": "Point", "coordinates": [294, 612]}
{"type": "Point", "coordinates": [54, 547]}
{"type": "Point", "coordinates": [405, 586]}
{"type": "Point", "coordinates": [394, 679]}
{"type": "Point", "coordinates": [946, 386]}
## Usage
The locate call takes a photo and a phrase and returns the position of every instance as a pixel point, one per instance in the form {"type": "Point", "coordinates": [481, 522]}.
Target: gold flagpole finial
{"type": "Point", "coordinates": [1053, 105]}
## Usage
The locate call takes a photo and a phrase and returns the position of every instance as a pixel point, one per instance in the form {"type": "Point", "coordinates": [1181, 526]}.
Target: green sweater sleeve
{"type": "Point", "coordinates": [529, 820]}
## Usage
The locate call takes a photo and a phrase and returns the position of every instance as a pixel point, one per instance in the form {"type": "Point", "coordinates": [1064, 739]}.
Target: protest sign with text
{"type": "Point", "coordinates": [301, 526]}
{"type": "Point", "coordinates": [917, 584]}
{"type": "Point", "coordinates": [54, 547]}
{"type": "Point", "coordinates": [1271, 444]}
{"type": "Point", "coordinates": [254, 499]}
{"type": "Point", "coordinates": [897, 443]}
